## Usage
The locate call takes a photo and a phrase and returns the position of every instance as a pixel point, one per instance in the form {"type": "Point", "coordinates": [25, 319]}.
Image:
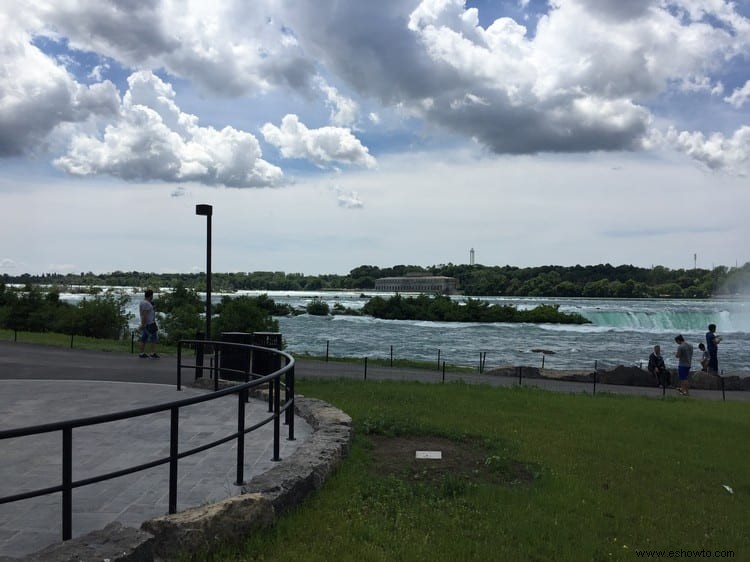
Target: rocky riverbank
{"type": "Point", "coordinates": [627, 375]}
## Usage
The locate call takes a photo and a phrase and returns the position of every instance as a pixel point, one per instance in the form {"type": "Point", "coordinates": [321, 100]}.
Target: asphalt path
{"type": "Point", "coordinates": [31, 361]}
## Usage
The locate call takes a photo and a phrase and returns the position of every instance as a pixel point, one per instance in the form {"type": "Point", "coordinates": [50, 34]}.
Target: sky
{"type": "Point", "coordinates": [328, 135]}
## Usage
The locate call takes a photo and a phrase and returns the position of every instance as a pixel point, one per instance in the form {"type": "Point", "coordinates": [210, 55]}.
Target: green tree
{"type": "Point", "coordinates": [242, 314]}
{"type": "Point", "coordinates": [317, 307]}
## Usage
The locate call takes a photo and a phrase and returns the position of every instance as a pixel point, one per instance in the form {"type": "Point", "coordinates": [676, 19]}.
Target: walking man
{"type": "Point", "coordinates": [148, 327]}
{"type": "Point", "coordinates": [712, 343]}
{"type": "Point", "coordinates": [684, 356]}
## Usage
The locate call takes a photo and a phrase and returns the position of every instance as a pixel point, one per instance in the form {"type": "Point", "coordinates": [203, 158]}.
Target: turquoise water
{"type": "Point", "coordinates": [622, 332]}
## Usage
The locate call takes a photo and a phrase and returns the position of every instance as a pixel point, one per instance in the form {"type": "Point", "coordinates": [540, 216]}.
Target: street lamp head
{"type": "Point", "coordinates": [204, 210]}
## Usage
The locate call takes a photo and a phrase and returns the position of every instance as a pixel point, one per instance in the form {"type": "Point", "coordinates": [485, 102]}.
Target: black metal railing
{"type": "Point", "coordinates": [241, 389]}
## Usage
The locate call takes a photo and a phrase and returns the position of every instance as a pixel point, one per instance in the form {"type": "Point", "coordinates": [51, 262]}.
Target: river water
{"type": "Point", "coordinates": [622, 332]}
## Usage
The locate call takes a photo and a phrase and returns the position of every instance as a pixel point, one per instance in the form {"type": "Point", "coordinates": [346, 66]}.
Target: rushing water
{"type": "Point", "coordinates": [622, 332]}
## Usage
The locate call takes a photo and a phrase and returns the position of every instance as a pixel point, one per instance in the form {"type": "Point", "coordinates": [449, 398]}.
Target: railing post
{"type": "Point", "coordinates": [520, 372]}
{"type": "Point", "coordinates": [217, 369]}
{"type": "Point", "coordinates": [174, 427]}
{"type": "Point", "coordinates": [179, 365]}
{"type": "Point", "coordinates": [241, 397]}
{"type": "Point", "coordinates": [438, 358]}
{"type": "Point", "coordinates": [327, 344]}
{"type": "Point", "coordinates": [290, 402]}
{"type": "Point", "coordinates": [594, 382]}
{"type": "Point", "coordinates": [391, 356]}
{"type": "Point", "coordinates": [67, 483]}
{"type": "Point", "coordinates": [132, 341]}
{"type": "Point", "coordinates": [365, 368]}
{"type": "Point", "coordinates": [276, 416]}
{"type": "Point", "coordinates": [443, 371]}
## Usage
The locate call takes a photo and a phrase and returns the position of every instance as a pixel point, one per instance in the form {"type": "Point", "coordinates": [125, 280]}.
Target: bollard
{"type": "Point", "coordinates": [132, 341]}
{"type": "Point", "coordinates": [438, 358]}
{"type": "Point", "coordinates": [365, 368]}
{"type": "Point", "coordinates": [594, 382]}
{"type": "Point", "coordinates": [15, 335]}
{"type": "Point", "coordinates": [543, 356]}
{"type": "Point", "coordinates": [391, 356]}
{"type": "Point", "coordinates": [723, 396]}
{"type": "Point", "coordinates": [443, 371]}
{"type": "Point", "coordinates": [327, 344]}
{"type": "Point", "coordinates": [520, 372]}
{"type": "Point", "coordinates": [71, 340]}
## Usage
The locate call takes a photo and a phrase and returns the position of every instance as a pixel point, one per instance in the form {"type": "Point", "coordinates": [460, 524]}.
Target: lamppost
{"type": "Point", "coordinates": [207, 211]}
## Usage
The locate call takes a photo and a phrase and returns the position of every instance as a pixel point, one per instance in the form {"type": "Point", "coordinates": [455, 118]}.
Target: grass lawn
{"type": "Point", "coordinates": [603, 478]}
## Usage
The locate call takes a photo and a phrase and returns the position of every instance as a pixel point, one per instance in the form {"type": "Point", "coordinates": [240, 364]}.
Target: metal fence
{"type": "Point", "coordinates": [284, 375]}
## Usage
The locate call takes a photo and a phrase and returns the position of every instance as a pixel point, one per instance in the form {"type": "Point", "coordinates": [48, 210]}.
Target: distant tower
{"type": "Point", "coordinates": [471, 256]}
{"type": "Point", "coordinates": [695, 261]}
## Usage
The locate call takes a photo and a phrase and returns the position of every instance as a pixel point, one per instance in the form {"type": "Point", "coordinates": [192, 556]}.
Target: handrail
{"type": "Point", "coordinates": [241, 389]}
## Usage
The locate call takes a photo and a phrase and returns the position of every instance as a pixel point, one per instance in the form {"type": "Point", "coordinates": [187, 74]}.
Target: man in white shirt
{"type": "Point", "coordinates": [148, 327]}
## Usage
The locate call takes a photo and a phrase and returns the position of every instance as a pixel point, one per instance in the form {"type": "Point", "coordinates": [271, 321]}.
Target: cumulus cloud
{"type": "Point", "coordinates": [7, 263]}
{"type": "Point", "coordinates": [323, 147]}
{"type": "Point", "coordinates": [716, 150]}
{"type": "Point", "coordinates": [229, 48]}
{"type": "Point", "coordinates": [581, 79]}
{"type": "Point", "coordinates": [344, 110]}
{"type": "Point", "coordinates": [154, 140]}
{"type": "Point", "coordinates": [739, 96]}
{"type": "Point", "coordinates": [37, 94]}
{"type": "Point", "coordinates": [577, 82]}
{"type": "Point", "coordinates": [347, 199]}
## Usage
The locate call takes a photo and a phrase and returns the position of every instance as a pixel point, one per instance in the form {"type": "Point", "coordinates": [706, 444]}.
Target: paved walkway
{"type": "Point", "coordinates": [35, 462]}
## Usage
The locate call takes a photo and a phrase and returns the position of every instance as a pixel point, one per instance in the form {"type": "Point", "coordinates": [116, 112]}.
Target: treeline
{"type": "Point", "coordinates": [32, 310]}
{"type": "Point", "coordinates": [444, 309]}
{"type": "Point", "coordinates": [607, 281]}
{"type": "Point", "coordinates": [180, 314]}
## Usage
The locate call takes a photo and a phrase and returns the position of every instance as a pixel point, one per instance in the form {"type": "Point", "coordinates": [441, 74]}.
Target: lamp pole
{"type": "Point", "coordinates": [207, 211]}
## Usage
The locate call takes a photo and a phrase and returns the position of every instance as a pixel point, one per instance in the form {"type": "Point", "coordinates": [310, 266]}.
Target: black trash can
{"type": "Point", "coordinates": [235, 360]}
{"type": "Point", "coordinates": [265, 362]}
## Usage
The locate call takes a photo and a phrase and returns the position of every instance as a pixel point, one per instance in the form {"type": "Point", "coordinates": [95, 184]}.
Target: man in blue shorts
{"type": "Point", "coordinates": [684, 356]}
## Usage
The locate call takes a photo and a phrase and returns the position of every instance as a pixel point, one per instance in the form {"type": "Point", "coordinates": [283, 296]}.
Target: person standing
{"type": "Point", "coordinates": [684, 356]}
{"type": "Point", "coordinates": [148, 327]}
{"type": "Point", "coordinates": [712, 343]}
{"type": "Point", "coordinates": [704, 357]}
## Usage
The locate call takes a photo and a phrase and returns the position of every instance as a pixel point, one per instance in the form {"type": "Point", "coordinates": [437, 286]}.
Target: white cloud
{"type": "Point", "coordinates": [739, 96]}
{"type": "Point", "coordinates": [580, 81]}
{"type": "Point", "coordinates": [37, 95]}
{"type": "Point", "coordinates": [716, 151]}
{"type": "Point", "coordinates": [154, 140]}
{"type": "Point", "coordinates": [344, 111]}
{"type": "Point", "coordinates": [230, 48]}
{"type": "Point", "coordinates": [348, 199]}
{"type": "Point", "coordinates": [322, 147]}
{"type": "Point", "coordinates": [7, 263]}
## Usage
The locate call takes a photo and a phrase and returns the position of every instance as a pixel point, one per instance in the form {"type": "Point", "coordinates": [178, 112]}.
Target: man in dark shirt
{"type": "Point", "coordinates": [657, 367]}
{"type": "Point", "coordinates": [712, 343]}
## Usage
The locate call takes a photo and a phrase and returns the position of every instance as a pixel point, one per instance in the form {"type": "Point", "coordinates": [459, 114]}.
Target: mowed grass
{"type": "Point", "coordinates": [56, 339]}
{"type": "Point", "coordinates": [612, 475]}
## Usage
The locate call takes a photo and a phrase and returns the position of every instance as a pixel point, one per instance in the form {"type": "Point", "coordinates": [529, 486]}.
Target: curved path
{"type": "Point", "coordinates": [41, 384]}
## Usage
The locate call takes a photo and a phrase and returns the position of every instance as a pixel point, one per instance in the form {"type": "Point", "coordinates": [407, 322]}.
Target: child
{"type": "Point", "coordinates": [704, 357]}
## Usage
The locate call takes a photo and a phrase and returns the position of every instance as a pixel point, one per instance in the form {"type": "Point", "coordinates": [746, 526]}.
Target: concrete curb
{"type": "Point", "coordinates": [229, 521]}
